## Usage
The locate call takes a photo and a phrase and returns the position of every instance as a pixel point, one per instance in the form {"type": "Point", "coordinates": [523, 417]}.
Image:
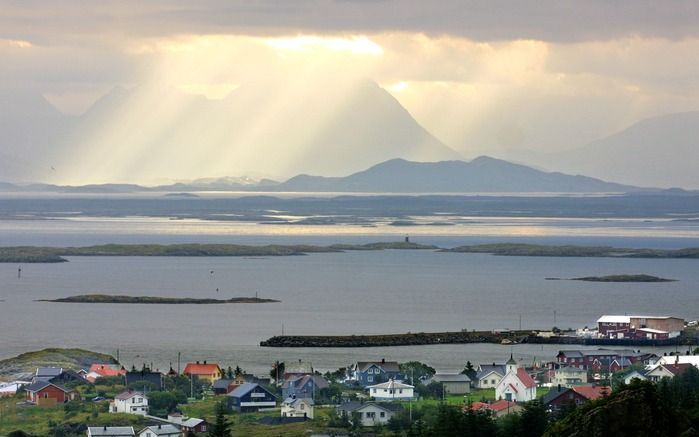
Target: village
{"type": "Point", "coordinates": [368, 395]}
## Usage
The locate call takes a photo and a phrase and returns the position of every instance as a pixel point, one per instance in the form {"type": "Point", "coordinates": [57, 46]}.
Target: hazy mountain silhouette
{"type": "Point", "coordinates": [483, 174]}
{"type": "Point", "coordinates": [660, 151]}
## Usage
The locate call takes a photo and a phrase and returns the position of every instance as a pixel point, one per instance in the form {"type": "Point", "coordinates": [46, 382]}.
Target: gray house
{"type": "Point", "coordinates": [453, 383]}
{"type": "Point", "coordinates": [111, 431]}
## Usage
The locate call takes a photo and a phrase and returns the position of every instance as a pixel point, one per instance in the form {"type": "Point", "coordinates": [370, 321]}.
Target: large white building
{"type": "Point", "coordinates": [297, 407]}
{"type": "Point", "coordinates": [129, 402]}
{"type": "Point", "coordinates": [370, 413]}
{"type": "Point", "coordinates": [391, 391]}
{"type": "Point", "coordinates": [516, 385]}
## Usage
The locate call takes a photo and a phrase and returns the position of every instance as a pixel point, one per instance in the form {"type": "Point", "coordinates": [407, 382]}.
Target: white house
{"type": "Point", "coordinates": [391, 391]}
{"type": "Point", "coordinates": [516, 385]}
{"type": "Point", "coordinates": [160, 430]}
{"type": "Point", "coordinates": [569, 376]}
{"type": "Point", "coordinates": [635, 374]}
{"type": "Point", "coordinates": [370, 413]}
{"type": "Point", "coordinates": [297, 407]}
{"type": "Point", "coordinates": [111, 431]}
{"type": "Point", "coordinates": [130, 402]}
{"type": "Point", "coordinates": [489, 375]}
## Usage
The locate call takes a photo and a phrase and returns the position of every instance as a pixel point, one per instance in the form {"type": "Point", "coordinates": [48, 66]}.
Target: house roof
{"type": "Point", "coordinates": [111, 430]}
{"type": "Point", "coordinates": [293, 401]}
{"type": "Point", "coordinates": [201, 369]}
{"type": "Point", "coordinates": [48, 371]}
{"type": "Point", "coordinates": [495, 406]}
{"type": "Point", "coordinates": [246, 388]}
{"type": "Point", "coordinates": [392, 384]}
{"type": "Point", "coordinates": [299, 381]}
{"type": "Point", "coordinates": [107, 369]}
{"type": "Point", "coordinates": [387, 366]}
{"type": "Point", "coordinates": [192, 422]}
{"type": "Point", "coordinates": [128, 395]}
{"type": "Point", "coordinates": [568, 369]}
{"type": "Point", "coordinates": [578, 353]}
{"type": "Point", "coordinates": [524, 377]}
{"type": "Point", "coordinates": [450, 377]}
{"type": "Point", "coordinates": [222, 383]}
{"type": "Point", "coordinates": [555, 393]}
{"type": "Point", "coordinates": [356, 406]}
{"type": "Point", "coordinates": [40, 385]}
{"type": "Point", "coordinates": [614, 319]}
{"type": "Point", "coordinates": [162, 430]}
{"type": "Point", "coordinates": [591, 392]}
{"type": "Point", "coordinates": [677, 369]}
{"type": "Point", "coordinates": [486, 369]}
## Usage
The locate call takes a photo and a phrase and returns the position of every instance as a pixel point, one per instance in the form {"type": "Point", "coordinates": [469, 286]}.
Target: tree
{"type": "Point", "coordinates": [229, 372]}
{"type": "Point", "coordinates": [277, 372]}
{"type": "Point", "coordinates": [469, 371]}
{"type": "Point", "coordinates": [238, 371]}
{"type": "Point", "coordinates": [415, 370]}
{"type": "Point", "coordinates": [221, 427]}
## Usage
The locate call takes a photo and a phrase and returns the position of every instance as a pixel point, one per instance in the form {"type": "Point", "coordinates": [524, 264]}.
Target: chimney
{"type": "Point", "coordinates": [383, 360]}
{"type": "Point", "coordinates": [105, 427]}
{"type": "Point", "coordinates": [159, 426]}
{"type": "Point", "coordinates": [559, 387]}
{"type": "Point", "coordinates": [197, 362]}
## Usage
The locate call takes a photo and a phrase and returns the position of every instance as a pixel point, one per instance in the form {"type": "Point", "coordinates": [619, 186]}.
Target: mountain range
{"type": "Point", "coordinates": [482, 175]}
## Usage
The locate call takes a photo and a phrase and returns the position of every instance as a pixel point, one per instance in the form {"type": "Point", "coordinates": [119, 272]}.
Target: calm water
{"type": "Point", "coordinates": [344, 293]}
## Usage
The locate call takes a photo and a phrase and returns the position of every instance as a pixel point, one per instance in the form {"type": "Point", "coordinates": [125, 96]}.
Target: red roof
{"type": "Point", "coordinates": [525, 378]}
{"type": "Point", "coordinates": [591, 392]}
{"type": "Point", "coordinates": [201, 369]}
{"type": "Point", "coordinates": [107, 369]}
{"type": "Point", "coordinates": [502, 404]}
{"type": "Point", "coordinates": [677, 369]}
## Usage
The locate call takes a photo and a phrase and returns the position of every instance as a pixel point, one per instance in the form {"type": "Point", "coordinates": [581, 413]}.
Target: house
{"type": "Point", "coordinates": [300, 368]}
{"type": "Point", "coordinates": [453, 383]}
{"type": "Point", "coordinates": [516, 385]}
{"type": "Point", "coordinates": [144, 375]}
{"type": "Point", "coordinates": [8, 389]}
{"type": "Point", "coordinates": [46, 393]}
{"type": "Point", "coordinates": [391, 391]}
{"type": "Point", "coordinates": [640, 327]}
{"type": "Point", "coordinates": [660, 371]}
{"type": "Point", "coordinates": [561, 397]}
{"type": "Point", "coordinates": [370, 413]}
{"type": "Point", "coordinates": [160, 430]}
{"type": "Point", "coordinates": [372, 372]}
{"type": "Point", "coordinates": [567, 376]}
{"type": "Point", "coordinates": [223, 386]}
{"type": "Point", "coordinates": [129, 402]}
{"type": "Point", "coordinates": [46, 373]}
{"type": "Point", "coordinates": [634, 374]}
{"type": "Point", "coordinates": [679, 359]}
{"type": "Point", "coordinates": [251, 397]}
{"type": "Point", "coordinates": [586, 358]}
{"type": "Point", "coordinates": [304, 386]}
{"type": "Point", "coordinates": [489, 375]}
{"type": "Point", "coordinates": [297, 407]}
{"type": "Point", "coordinates": [111, 431]}
{"type": "Point", "coordinates": [592, 392]}
{"type": "Point", "coordinates": [104, 370]}
{"type": "Point", "coordinates": [194, 425]}
{"type": "Point", "coordinates": [498, 408]}
{"type": "Point", "coordinates": [187, 424]}
{"type": "Point", "coordinates": [205, 371]}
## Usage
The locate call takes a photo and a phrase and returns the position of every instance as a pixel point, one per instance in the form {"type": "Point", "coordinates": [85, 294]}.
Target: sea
{"type": "Point", "coordinates": [356, 292]}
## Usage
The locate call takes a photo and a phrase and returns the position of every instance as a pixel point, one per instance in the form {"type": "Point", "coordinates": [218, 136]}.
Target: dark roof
{"type": "Point", "coordinates": [300, 381]}
{"type": "Point", "coordinates": [48, 371]}
{"type": "Point", "coordinates": [277, 420]}
{"type": "Point", "coordinates": [246, 388]}
{"type": "Point", "coordinates": [387, 366]}
{"type": "Point", "coordinates": [40, 385]}
{"type": "Point", "coordinates": [112, 430]}
{"type": "Point", "coordinates": [554, 394]}
{"type": "Point", "coordinates": [166, 429]}
{"type": "Point", "coordinates": [487, 368]}
{"type": "Point", "coordinates": [450, 377]}
{"type": "Point", "coordinates": [222, 383]}
{"type": "Point", "coordinates": [355, 405]}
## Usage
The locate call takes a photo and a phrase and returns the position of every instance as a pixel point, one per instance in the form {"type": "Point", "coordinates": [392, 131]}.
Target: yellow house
{"type": "Point", "coordinates": [204, 371]}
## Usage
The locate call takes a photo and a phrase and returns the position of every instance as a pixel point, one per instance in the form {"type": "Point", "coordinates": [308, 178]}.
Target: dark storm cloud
{"type": "Point", "coordinates": [549, 20]}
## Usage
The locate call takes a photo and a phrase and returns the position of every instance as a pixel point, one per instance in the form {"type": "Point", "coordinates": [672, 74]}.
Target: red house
{"type": "Point", "coordinates": [45, 393]}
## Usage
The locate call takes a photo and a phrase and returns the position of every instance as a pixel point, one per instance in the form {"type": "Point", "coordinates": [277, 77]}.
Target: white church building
{"type": "Point", "coordinates": [516, 385]}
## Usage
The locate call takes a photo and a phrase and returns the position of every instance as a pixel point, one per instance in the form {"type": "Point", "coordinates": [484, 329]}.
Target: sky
{"type": "Point", "coordinates": [485, 77]}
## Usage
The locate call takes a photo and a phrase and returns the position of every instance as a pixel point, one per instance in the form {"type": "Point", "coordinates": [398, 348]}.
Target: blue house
{"type": "Point", "coordinates": [306, 386]}
{"type": "Point", "coordinates": [250, 397]}
{"type": "Point", "coordinates": [373, 372]}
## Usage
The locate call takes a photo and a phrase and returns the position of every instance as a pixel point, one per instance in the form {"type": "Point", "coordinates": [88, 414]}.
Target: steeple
{"type": "Point", "coordinates": [511, 364]}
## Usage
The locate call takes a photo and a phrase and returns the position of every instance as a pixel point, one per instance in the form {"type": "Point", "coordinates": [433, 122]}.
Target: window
{"type": "Point", "coordinates": [400, 390]}
{"type": "Point", "coordinates": [492, 381]}
{"type": "Point", "coordinates": [370, 378]}
{"type": "Point", "coordinates": [374, 390]}
{"type": "Point", "coordinates": [203, 428]}
{"type": "Point", "coordinates": [302, 406]}
{"type": "Point", "coordinates": [382, 414]}
{"type": "Point", "coordinates": [370, 414]}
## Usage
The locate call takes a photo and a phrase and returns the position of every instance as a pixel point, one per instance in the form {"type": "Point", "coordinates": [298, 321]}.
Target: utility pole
{"type": "Point", "coordinates": [178, 362]}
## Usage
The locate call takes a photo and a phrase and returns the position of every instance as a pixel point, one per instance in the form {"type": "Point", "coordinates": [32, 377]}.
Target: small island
{"type": "Point", "coordinates": [106, 298]}
{"type": "Point", "coordinates": [623, 278]}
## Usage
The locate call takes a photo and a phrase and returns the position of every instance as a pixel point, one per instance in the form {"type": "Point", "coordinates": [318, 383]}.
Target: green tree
{"type": "Point", "coordinates": [416, 371]}
{"type": "Point", "coordinates": [277, 371]}
{"type": "Point", "coordinates": [469, 371]}
{"type": "Point", "coordinates": [221, 427]}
